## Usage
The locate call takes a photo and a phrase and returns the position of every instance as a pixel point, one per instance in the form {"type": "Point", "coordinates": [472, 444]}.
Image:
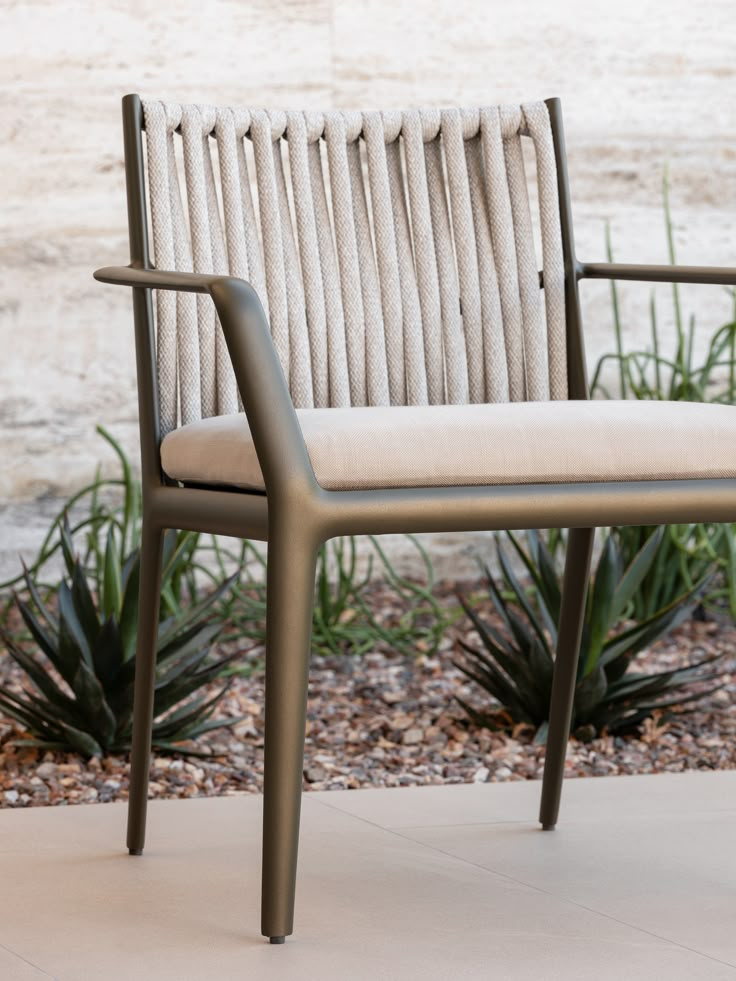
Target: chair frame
{"type": "Point", "coordinates": [296, 515]}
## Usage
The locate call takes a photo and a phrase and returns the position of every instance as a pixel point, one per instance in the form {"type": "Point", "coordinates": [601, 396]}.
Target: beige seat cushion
{"type": "Point", "coordinates": [439, 446]}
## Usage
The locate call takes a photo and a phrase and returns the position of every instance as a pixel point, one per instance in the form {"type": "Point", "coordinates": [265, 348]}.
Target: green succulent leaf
{"type": "Point", "coordinates": [129, 606]}
{"type": "Point", "coordinates": [188, 683]}
{"type": "Point", "coordinates": [193, 614]}
{"type": "Point", "coordinates": [551, 583]}
{"type": "Point", "coordinates": [84, 607]}
{"type": "Point", "coordinates": [634, 575]}
{"type": "Point", "coordinates": [67, 545]}
{"type": "Point", "coordinates": [81, 741]}
{"type": "Point", "coordinates": [107, 654]}
{"type": "Point", "coordinates": [79, 644]}
{"type": "Point", "coordinates": [46, 640]}
{"type": "Point", "coordinates": [188, 655]}
{"type": "Point", "coordinates": [112, 588]}
{"type": "Point", "coordinates": [36, 672]}
{"type": "Point", "coordinates": [184, 720]}
{"type": "Point", "coordinates": [601, 603]}
{"type": "Point", "coordinates": [42, 609]}
{"type": "Point", "coordinates": [522, 600]}
{"type": "Point", "coordinates": [589, 693]}
{"type": "Point", "coordinates": [91, 697]}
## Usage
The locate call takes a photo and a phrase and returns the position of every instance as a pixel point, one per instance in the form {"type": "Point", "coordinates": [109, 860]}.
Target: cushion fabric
{"type": "Point", "coordinates": [454, 445]}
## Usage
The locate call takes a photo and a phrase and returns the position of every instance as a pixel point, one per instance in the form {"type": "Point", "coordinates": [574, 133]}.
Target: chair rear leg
{"type": "Point", "coordinates": [290, 598]}
{"type": "Point", "coordinates": [569, 633]}
{"type": "Point", "coordinates": [149, 596]}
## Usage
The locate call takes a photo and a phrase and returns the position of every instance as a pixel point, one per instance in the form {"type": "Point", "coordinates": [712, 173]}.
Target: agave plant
{"type": "Point", "coordinates": [85, 703]}
{"type": "Point", "coordinates": [515, 665]}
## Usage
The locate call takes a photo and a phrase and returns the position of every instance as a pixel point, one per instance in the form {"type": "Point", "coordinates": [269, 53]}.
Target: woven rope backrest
{"type": "Point", "coordinates": [393, 252]}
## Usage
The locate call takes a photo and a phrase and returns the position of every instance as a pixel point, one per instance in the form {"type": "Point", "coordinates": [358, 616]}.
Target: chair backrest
{"type": "Point", "coordinates": [394, 252]}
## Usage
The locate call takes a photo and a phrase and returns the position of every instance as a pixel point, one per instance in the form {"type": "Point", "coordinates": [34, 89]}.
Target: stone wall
{"type": "Point", "coordinates": [643, 85]}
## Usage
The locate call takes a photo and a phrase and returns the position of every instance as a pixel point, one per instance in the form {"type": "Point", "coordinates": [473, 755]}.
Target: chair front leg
{"type": "Point", "coordinates": [290, 597]}
{"type": "Point", "coordinates": [569, 634]}
{"type": "Point", "coordinates": [149, 597]}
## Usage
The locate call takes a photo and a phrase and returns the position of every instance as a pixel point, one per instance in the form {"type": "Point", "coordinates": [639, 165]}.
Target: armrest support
{"type": "Point", "coordinates": [277, 434]}
{"type": "Point", "coordinates": [711, 275]}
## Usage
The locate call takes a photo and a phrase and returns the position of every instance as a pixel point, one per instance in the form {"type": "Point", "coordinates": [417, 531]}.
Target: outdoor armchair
{"type": "Point", "coordinates": [373, 301]}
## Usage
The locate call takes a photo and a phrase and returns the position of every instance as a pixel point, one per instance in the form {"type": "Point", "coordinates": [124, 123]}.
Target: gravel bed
{"type": "Point", "coordinates": [385, 720]}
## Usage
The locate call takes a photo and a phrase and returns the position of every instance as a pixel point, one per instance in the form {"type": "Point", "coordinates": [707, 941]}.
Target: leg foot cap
{"type": "Point", "coordinates": [277, 940]}
{"type": "Point", "coordinates": [548, 827]}
{"type": "Point", "coordinates": [135, 851]}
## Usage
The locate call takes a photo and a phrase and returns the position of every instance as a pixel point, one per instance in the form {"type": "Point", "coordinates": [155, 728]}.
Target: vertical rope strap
{"type": "Point", "coordinates": [187, 350]}
{"type": "Point", "coordinates": [299, 355]}
{"type": "Point", "coordinates": [424, 255]}
{"type": "Point", "coordinates": [336, 343]}
{"type": "Point", "coordinates": [229, 140]}
{"type": "Point", "coordinates": [273, 250]}
{"type": "Point", "coordinates": [347, 255]}
{"type": "Point", "coordinates": [387, 258]}
{"type": "Point", "coordinates": [226, 390]}
{"type": "Point", "coordinates": [199, 222]}
{"type": "Point", "coordinates": [494, 345]}
{"type": "Point", "coordinates": [453, 339]}
{"type": "Point", "coordinates": [414, 361]}
{"type": "Point", "coordinates": [504, 249]}
{"type": "Point", "coordinates": [310, 256]}
{"type": "Point", "coordinates": [537, 120]}
{"type": "Point", "coordinates": [376, 356]}
{"type": "Point", "coordinates": [157, 138]}
{"type": "Point", "coordinates": [232, 194]}
{"type": "Point", "coordinates": [233, 203]}
{"type": "Point", "coordinates": [465, 249]}
{"type": "Point", "coordinates": [178, 339]}
{"type": "Point", "coordinates": [253, 243]}
{"type": "Point", "coordinates": [535, 346]}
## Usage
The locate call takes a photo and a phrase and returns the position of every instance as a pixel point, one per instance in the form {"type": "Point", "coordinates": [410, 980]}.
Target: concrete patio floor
{"type": "Point", "coordinates": [456, 882]}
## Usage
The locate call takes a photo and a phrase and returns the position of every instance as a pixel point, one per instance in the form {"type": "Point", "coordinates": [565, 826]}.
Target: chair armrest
{"type": "Point", "coordinates": [712, 275]}
{"type": "Point", "coordinates": [277, 435]}
{"type": "Point", "coordinates": [157, 280]}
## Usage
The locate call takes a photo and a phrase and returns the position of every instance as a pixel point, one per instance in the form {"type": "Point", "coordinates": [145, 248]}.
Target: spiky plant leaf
{"type": "Point", "coordinates": [632, 579]}
{"type": "Point", "coordinates": [112, 587]}
{"type": "Point", "coordinates": [107, 654]}
{"type": "Point", "coordinates": [600, 605]}
{"type": "Point", "coordinates": [128, 622]}
{"type": "Point", "coordinates": [79, 643]}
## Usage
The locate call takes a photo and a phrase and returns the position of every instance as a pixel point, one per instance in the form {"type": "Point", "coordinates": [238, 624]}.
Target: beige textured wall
{"type": "Point", "coordinates": [642, 84]}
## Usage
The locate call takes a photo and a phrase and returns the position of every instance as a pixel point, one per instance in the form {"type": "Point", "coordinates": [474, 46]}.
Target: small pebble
{"type": "Point", "coordinates": [315, 773]}
{"type": "Point", "coordinates": [413, 736]}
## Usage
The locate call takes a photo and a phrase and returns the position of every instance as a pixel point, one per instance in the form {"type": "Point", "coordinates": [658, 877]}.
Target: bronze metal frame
{"type": "Point", "coordinates": [296, 515]}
